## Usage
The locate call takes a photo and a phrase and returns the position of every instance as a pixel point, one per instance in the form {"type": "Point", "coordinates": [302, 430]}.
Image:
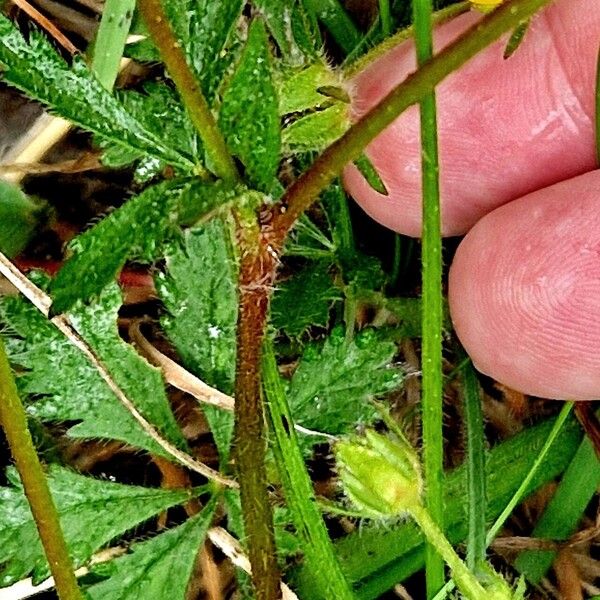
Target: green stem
{"type": "Point", "coordinates": [304, 191]}
{"type": "Point", "coordinates": [385, 16]}
{"type": "Point", "coordinates": [318, 550]}
{"type": "Point", "coordinates": [35, 485]}
{"type": "Point", "coordinates": [465, 580]}
{"type": "Point", "coordinates": [198, 109]}
{"type": "Point", "coordinates": [337, 21]}
{"type": "Point", "coordinates": [431, 410]}
{"type": "Point", "coordinates": [475, 468]}
{"type": "Point", "coordinates": [110, 40]}
{"type": "Point", "coordinates": [524, 487]}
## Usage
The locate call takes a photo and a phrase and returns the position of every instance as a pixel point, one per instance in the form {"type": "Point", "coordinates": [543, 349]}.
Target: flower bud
{"type": "Point", "coordinates": [381, 476]}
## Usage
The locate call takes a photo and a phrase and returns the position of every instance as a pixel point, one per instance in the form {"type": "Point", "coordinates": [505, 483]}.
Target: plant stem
{"type": "Point", "coordinates": [110, 40]}
{"type": "Point", "coordinates": [320, 557]}
{"type": "Point", "coordinates": [565, 411]}
{"type": "Point", "coordinates": [35, 485]}
{"type": "Point", "coordinates": [304, 191]}
{"type": "Point", "coordinates": [465, 580]}
{"type": "Point", "coordinates": [198, 109]}
{"type": "Point", "coordinates": [431, 260]}
{"type": "Point", "coordinates": [475, 468]}
{"type": "Point", "coordinates": [250, 443]}
{"type": "Point", "coordinates": [385, 16]}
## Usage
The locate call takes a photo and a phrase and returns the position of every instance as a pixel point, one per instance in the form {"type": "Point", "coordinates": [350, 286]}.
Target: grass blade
{"type": "Point", "coordinates": [110, 40]}
{"type": "Point", "coordinates": [432, 302]}
{"type": "Point", "coordinates": [318, 549]}
{"type": "Point", "coordinates": [563, 513]}
{"type": "Point", "coordinates": [475, 468]}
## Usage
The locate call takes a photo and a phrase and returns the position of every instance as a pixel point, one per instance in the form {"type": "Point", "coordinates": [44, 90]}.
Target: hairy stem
{"type": "Point", "coordinates": [189, 88]}
{"type": "Point", "coordinates": [305, 190]}
{"type": "Point", "coordinates": [14, 423]}
{"type": "Point", "coordinates": [250, 443]}
{"type": "Point", "coordinates": [432, 318]}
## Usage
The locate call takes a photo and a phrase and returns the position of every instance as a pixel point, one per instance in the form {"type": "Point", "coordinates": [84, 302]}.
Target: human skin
{"type": "Point", "coordinates": [524, 291]}
{"type": "Point", "coordinates": [505, 127]}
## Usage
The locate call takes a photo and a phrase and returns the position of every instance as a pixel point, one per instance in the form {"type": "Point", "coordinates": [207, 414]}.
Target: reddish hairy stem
{"type": "Point", "coordinates": [257, 270]}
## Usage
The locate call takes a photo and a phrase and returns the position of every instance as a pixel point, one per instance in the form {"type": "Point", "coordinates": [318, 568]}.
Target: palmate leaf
{"type": "Point", "coordinates": [331, 389]}
{"type": "Point", "coordinates": [68, 387]}
{"type": "Point", "coordinates": [249, 116]}
{"type": "Point", "coordinates": [135, 230]}
{"type": "Point", "coordinates": [304, 300]}
{"type": "Point", "coordinates": [158, 568]}
{"type": "Point", "coordinates": [199, 291]}
{"type": "Point", "coordinates": [92, 513]}
{"type": "Point", "coordinates": [73, 92]}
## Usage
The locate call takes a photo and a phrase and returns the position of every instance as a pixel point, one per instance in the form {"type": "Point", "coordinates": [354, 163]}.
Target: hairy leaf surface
{"type": "Point", "coordinates": [158, 568]}
{"type": "Point", "coordinates": [332, 386]}
{"type": "Point", "coordinates": [157, 108]}
{"type": "Point", "coordinates": [92, 513]}
{"type": "Point", "coordinates": [136, 230]}
{"type": "Point", "coordinates": [71, 388]}
{"type": "Point", "coordinates": [199, 291]}
{"type": "Point", "coordinates": [304, 300]}
{"type": "Point", "coordinates": [75, 93]}
{"type": "Point", "coordinates": [249, 116]}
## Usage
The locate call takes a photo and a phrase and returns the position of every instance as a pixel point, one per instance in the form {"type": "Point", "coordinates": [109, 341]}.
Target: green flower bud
{"type": "Point", "coordinates": [381, 476]}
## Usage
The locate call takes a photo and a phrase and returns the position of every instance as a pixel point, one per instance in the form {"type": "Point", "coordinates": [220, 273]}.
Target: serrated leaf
{"type": "Point", "coordinates": [304, 300]}
{"type": "Point", "coordinates": [158, 568]}
{"type": "Point", "coordinates": [331, 389]}
{"type": "Point", "coordinates": [136, 230]}
{"type": "Point", "coordinates": [249, 116]}
{"type": "Point", "coordinates": [19, 218]}
{"type": "Point", "coordinates": [317, 130]}
{"type": "Point", "coordinates": [69, 388]}
{"type": "Point", "coordinates": [92, 513]}
{"type": "Point", "coordinates": [199, 291]}
{"type": "Point", "coordinates": [76, 94]}
{"type": "Point", "coordinates": [157, 108]}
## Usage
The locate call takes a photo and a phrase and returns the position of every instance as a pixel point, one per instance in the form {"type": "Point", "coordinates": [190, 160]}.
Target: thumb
{"type": "Point", "coordinates": [506, 127]}
{"type": "Point", "coordinates": [524, 291]}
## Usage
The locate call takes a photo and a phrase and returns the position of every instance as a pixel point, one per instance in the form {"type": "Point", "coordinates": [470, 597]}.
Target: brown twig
{"type": "Point", "coordinates": [46, 24]}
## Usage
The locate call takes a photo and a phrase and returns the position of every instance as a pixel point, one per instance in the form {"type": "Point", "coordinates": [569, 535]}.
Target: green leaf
{"type": "Point", "coordinates": [19, 218]}
{"type": "Point", "coordinates": [300, 89]}
{"type": "Point", "coordinates": [317, 130]}
{"type": "Point", "coordinates": [207, 33]}
{"type": "Point", "coordinates": [76, 94]}
{"type": "Point", "coordinates": [158, 568]}
{"type": "Point", "coordinates": [304, 300]}
{"type": "Point", "coordinates": [92, 513]}
{"type": "Point", "coordinates": [210, 40]}
{"type": "Point", "coordinates": [134, 230]}
{"type": "Point", "coordinates": [249, 116]}
{"type": "Point", "coordinates": [199, 291]}
{"type": "Point", "coordinates": [335, 381]}
{"type": "Point", "coordinates": [159, 109]}
{"type": "Point", "coordinates": [69, 388]}
{"type": "Point", "coordinates": [289, 27]}
{"type": "Point", "coordinates": [332, 14]}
